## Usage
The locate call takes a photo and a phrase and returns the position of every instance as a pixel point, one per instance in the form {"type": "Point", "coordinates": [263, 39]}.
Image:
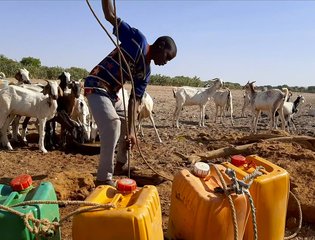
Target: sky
{"type": "Point", "coordinates": [270, 42]}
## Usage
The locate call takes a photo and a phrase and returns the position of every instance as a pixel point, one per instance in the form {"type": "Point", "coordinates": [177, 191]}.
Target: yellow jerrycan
{"type": "Point", "coordinates": [199, 212]}
{"type": "Point", "coordinates": [270, 193]}
{"type": "Point", "coordinates": [135, 214]}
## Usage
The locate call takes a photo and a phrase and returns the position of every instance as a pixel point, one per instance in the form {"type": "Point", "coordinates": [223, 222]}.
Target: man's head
{"type": "Point", "coordinates": [163, 50]}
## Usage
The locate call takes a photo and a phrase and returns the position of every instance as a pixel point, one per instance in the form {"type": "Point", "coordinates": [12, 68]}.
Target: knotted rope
{"type": "Point", "coordinates": [239, 187]}
{"type": "Point", "coordinates": [44, 227]}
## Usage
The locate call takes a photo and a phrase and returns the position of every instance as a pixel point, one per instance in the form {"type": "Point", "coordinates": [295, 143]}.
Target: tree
{"type": "Point", "coordinates": [30, 61]}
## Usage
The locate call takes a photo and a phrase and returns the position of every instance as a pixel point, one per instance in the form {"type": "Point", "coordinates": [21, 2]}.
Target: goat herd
{"type": "Point", "coordinates": [65, 104]}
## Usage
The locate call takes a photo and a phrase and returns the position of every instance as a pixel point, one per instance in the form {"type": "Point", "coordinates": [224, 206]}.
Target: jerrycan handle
{"type": "Point", "coordinates": [10, 198]}
{"type": "Point", "coordinates": [116, 198]}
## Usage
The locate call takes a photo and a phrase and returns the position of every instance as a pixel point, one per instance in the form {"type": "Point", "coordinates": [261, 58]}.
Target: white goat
{"type": "Point", "coordinates": [188, 96]}
{"type": "Point", "coordinates": [311, 110]}
{"type": "Point", "coordinates": [145, 110]}
{"type": "Point", "coordinates": [246, 103]}
{"type": "Point", "coordinates": [81, 114]}
{"type": "Point", "coordinates": [268, 101]}
{"type": "Point", "coordinates": [2, 75]}
{"type": "Point", "coordinates": [223, 101]}
{"type": "Point", "coordinates": [15, 100]}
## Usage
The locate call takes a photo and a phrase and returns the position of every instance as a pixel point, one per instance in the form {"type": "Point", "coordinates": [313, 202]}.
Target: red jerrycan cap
{"type": "Point", "coordinates": [126, 185]}
{"type": "Point", "coordinates": [21, 182]}
{"type": "Point", "coordinates": [238, 160]}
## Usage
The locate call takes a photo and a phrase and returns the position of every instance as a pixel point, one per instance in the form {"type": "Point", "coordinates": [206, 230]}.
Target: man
{"type": "Point", "coordinates": [104, 81]}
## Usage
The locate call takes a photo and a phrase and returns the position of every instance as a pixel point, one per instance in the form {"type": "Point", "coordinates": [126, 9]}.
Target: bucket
{"type": "Point", "coordinates": [270, 193]}
{"type": "Point", "coordinates": [135, 215]}
{"type": "Point", "coordinates": [12, 226]}
{"type": "Point", "coordinates": [198, 212]}
{"type": "Point", "coordinates": [3, 83]}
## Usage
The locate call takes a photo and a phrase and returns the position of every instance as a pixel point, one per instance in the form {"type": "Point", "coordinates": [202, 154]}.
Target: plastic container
{"type": "Point", "coordinates": [3, 83]}
{"type": "Point", "coordinates": [12, 226]}
{"type": "Point", "coordinates": [137, 215]}
{"type": "Point", "coordinates": [270, 193]}
{"type": "Point", "coordinates": [197, 212]}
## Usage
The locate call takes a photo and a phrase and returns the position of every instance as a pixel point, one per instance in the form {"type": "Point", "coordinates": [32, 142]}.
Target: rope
{"type": "Point", "coordinates": [300, 217]}
{"type": "Point", "coordinates": [242, 187]}
{"type": "Point", "coordinates": [132, 83]}
{"type": "Point", "coordinates": [44, 227]}
{"type": "Point", "coordinates": [122, 82]}
{"type": "Point", "coordinates": [239, 187]}
{"type": "Point", "coordinates": [253, 212]}
{"type": "Point", "coordinates": [227, 193]}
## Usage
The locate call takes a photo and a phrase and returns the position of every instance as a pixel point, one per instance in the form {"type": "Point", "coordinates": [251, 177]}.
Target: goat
{"type": "Point", "coordinates": [66, 104]}
{"type": "Point", "coordinates": [65, 79]}
{"type": "Point", "coordinates": [246, 103]}
{"type": "Point", "coordinates": [188, 96]}
{"type": "Point", "coordinates": [223, 101]}
{"type": "Point", "coordinates": [15, 100]}
{"type": "Point", "coordinates": [145, 110]}
{"type": "Point", "coordinates": [81, 114]}
{"type": "Point", "coordinates": [121, 94]}
{"type": "Point", "coordinates": [23, 76]}
{"type": "Point", "coordinates": [290, 109]}
{"type": "Point", "coordinates": [2, 75]}
{"type": "Point", "coordinates": [269, 101]}
{"type": "Point", "coordinates": [311, 110]}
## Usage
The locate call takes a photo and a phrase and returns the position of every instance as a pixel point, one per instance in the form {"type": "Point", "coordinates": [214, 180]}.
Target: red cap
{"type": "Point", "coordinates": [21, 182]}
{"type": "Point", "coordinates": [126, 185]}
{"type": "Point", "coordinates": [238, 160]}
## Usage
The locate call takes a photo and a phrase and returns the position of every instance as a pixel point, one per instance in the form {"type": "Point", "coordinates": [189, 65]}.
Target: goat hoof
{"type": "Point", "coordinates": [9, 147]}
{"type": "Point", "coordinates": [44, 150]}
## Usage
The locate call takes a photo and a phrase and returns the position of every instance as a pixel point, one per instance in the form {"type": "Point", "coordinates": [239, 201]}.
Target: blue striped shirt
{"type": "Point", "coordinates": [106, 75]}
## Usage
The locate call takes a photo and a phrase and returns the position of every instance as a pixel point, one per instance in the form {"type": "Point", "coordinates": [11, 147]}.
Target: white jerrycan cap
{"type": "Point", "coordinates": [201, 169]}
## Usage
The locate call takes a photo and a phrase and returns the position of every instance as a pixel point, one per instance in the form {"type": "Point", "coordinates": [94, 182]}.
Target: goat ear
{"type": "Point", "coordinates": [45, 90]}
{"type": "Point", "coordinates": [18, 76]}
{"type": "Point", "coordinates": [60, 92]}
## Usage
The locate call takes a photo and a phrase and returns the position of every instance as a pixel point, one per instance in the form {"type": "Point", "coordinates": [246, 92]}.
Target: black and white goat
{"type": "Point", "coordinates": [289, 110]}
{"type": "Point", "coordinates": [65, 80]}
{"type": "Point", "coordinates": [23, 76]}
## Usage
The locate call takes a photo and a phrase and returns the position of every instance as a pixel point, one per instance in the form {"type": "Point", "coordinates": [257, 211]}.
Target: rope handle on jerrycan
{"type": "Point", "coordinates": [239, 187]}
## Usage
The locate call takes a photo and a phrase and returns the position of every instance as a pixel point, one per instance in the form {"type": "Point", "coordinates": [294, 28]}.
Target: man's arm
{"type": "Point", "coordinates": [108, 10]}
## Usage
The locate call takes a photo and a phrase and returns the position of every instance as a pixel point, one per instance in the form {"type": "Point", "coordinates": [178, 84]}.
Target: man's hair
{"type": "Point", "coordinates": [169, 43]}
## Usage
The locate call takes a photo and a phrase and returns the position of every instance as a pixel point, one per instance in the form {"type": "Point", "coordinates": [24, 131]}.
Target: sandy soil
{"type": "Point", "coordinates": [72, 171]}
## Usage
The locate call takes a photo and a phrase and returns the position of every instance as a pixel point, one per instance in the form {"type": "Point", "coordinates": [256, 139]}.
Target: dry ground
{"type": "Point", "coordinates": [72, 171]}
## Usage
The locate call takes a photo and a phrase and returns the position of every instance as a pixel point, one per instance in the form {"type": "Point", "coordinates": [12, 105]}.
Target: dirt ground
{"type": "Point", "coordinates": [72, 171]}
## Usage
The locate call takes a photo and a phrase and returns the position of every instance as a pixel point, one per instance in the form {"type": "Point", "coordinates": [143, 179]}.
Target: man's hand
{"type": "Point", "coordinates": [130, 141]}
